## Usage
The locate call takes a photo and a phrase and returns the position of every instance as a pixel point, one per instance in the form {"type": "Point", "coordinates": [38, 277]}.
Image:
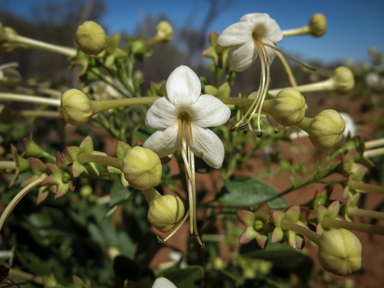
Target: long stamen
{"type": "Point", "coordinates": [164, 241]}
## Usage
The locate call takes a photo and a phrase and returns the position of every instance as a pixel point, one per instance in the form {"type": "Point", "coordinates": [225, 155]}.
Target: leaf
{"type": "Point", "coordinates": [190, 277]}
{"type": "Point", "coordinates": [118, 193]}
{"type": "Point", "coordinates": [284, 257]}
{"type": "Point", "coordinates": [245, 191]}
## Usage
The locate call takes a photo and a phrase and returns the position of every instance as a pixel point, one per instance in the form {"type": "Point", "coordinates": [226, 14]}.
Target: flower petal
{"type": "Point", "coordinates": [236, 34]}
{"type": "Point", "coordinates": [208, 111]}
{"type": "Point", "coordinates": [208, 146]}
{"type": "Point", "coordinates": [164, 142]}
{"type": "Point", "coordinates": [242, 56]}
{"type": "Point", "coordinates": [264, 27]}
{"type": "Point", "coordinates": [183, 87]}
{"type": "Point", "coordinates": [246, 217]}
{"type": "Point", "coordinates": [162, 282]}
{"type": "Point", "coordinates": [271, 53]}
{"type": "Point", "coordinates": [162, 114]}
{"type": "Point", "coordinates": [248, 235]}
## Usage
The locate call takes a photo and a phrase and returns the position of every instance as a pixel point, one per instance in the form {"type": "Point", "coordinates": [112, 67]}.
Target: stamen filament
{"type": "Point", "coordinates": [178, 227]}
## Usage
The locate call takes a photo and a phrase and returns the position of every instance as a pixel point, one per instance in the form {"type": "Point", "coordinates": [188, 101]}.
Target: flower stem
{"type": "Point", "coordinates": [48, 91]}
{"type": "Point", "coordinates": [29, 99]}
{"type": "Point", "coordinates": [363, 187]}
{"type": "Point", "coordinates": [35, 44]}
{"type": "Point", "coordinates": [287, 69]}
{"type": "Point", "coordinates": [374, 153]}
{"type": "Point", "coordinates": [17, 273]}
{"type": "Point", "coordinates": [287, 225]}
{"type": "Point", "coordinates": [354, 211]}
{"type": "Point", "coordinates": [297, 31]}
{"type": "Point", "coordinates": [37, 113]}
{"type": "Point", "coordinates": [18, 197]}
{"type": "Point", "coordinates": [374, 143]}
{"type": "Point", "coordinates": [326, 85]}
{"type": "Point", "coordinates": [105, 160]}
{"type": "Point", "coordinates": [367, 228]}
{"type": "Point", "coordinates": [7, 165]}
{"type": "Point", "coordinates": [100, 106]}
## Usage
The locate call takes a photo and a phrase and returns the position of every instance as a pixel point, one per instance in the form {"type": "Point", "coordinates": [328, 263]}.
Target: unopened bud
{"type": "Point", "coordinates": [288, 107]}
{"type": "Point", "coordinates": [91, 38]}
{"type": "Point", "coordinates": [317, 25]}
{"type": "Point", "coordinates": [164, 31]}
{"type": "Point", "coordinates": [76, 107]}
{"type": "Point", "coordinates": [340, 252]}
{"type": "Point", "coordinates": [165, 212]}
{"type": "Point", "coordinates": [343, 80]}
{"type": "Point", "coordinates": [142, 168]}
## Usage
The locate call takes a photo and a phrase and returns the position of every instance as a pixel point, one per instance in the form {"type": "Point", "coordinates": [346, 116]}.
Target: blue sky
{"type": "Point", "coordinates": [353, 26]}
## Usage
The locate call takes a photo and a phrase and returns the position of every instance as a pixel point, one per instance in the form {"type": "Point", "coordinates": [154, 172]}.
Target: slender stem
{"type": "Point", "coordinates": [287, 225]}
{"type": "Point", "coordinates": [105, 160]}
{"type": "Point", "coordinates": [374, 153]}
{"type": "Point", "coordinates": [297, 31]}
{"type": "Point", "coordinates": [367, 228]}
{"type": "Point", "coordinates": [7, 165]}
{"type": "Point", "coordinates": [100, 106]}
{"type": "Point", "coordinates": [374, 143]}
{"type": "Point", "coordinates": [287, 69]}
{"type": "Point", "coordinates": [354, 211]}
{"type": "Point", "coordinates": [21, 274]}
{"type": "Point", "coordinates": [327, 85]}
{"type": "Point", "coordinates": [363, 187]}
{"type": "Point", "coordinates": [29, 99]}
{"type": "Point", "coordinates": [18, 197]}
{"type": "Point", "coordinates": [178, 226]}
{"type": "Point", "coordinates": [37, 113]}
{"type": "Point", "coordinates": [36, 88]}
{"type": "Point", "coordinates": [35, 44]}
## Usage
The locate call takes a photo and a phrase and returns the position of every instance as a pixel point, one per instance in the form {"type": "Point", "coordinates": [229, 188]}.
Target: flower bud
{"type": "Point", "coordinates": [142, 168]}
{"type": "Point", "coordinates": [343, 80]}
{"type": "Point", "coordinates": [165, 212]}
{"type": "Point", "coordinates": [288, 107]}
{"type": "Point", "coordinates": [164, 31]}
{"type": "Point", "coordinates": [76, 107]}
{"type": "Point", "coordinates": [340, 252]}
{"type": "Point", "coordinates": [317, 25]}
{"type": "Point", "coordinates": [91, 38]}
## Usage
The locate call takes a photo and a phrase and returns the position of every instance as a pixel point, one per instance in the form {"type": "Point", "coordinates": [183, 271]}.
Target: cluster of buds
{"type": "Point", "coordinates": [339, 249]}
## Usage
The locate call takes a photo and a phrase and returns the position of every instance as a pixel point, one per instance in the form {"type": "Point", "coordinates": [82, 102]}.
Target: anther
{"type": "Point", "coordinates": [202, 246]}
{"type": "Point", "coordinates": [243, 126]}
{"type": "Point", "coordinates": [161, 241]}
{"type": "Point", "coordinates": [233, 129]}
{"type": "Point", "coordinates": [260, 134]}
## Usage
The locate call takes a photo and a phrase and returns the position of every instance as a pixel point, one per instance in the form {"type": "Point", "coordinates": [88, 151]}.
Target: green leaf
{"type": "Point", "coordinates": [190, 277]}
{"type": "Point", "coordinates": [247, 191]}
{"type": "Point", "coordinates": [284, 257]}
{"type": "Point", "coordinates": [118, 193]}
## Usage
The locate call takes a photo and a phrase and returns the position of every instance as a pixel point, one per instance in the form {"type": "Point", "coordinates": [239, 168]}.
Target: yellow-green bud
{"type": "Point", "coordinates": [164, 31]}
{"type": "Point", "coordinates": [317, 25]}
{"type": "Point", "coordinates": [86, 191]}
{"type": "Point", "coordinates": [165, 212]}
{"type": "Point", "coordinates": [288, 107]}
{"type": "Point", "coordinates": [343, 80]}
{"type": "Point", "coordinates": [76, 107]}
{"type": "Point", "coordinates": [91, 38]}
{"type": "Point", "coordinates": [326, 129]}
{"type": "Point", "coordinates": [340, 252]}
{"type": "Point", "coordinates": [142, 168]}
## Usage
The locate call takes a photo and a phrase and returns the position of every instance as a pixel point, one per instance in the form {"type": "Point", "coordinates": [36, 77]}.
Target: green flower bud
{"type": "Point", "coordinates": [343, 80]}
{"type": "Point", "coordinates": [317, 25]}
{"type": "Point", "coordinates": [165, 212]}
{"type": "Point", "coordinates": [288, 107]}
{"type": "Point", "coordinates": [142, 168]}
{"type": "Point", "coordinates": [76, 107]}
{"type": "Point", "coordinates": [164, 31]}
{"type": "Point", "coordinates": [340, 252]}
{"type": "Point", "coordinates": [325, 130]}
{"type": "Point", "coordinates": [91, 38]}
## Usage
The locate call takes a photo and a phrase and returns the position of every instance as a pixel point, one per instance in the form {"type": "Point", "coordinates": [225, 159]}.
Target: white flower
{"type": "Point", "coordinates": [349, 125]}
{"type": "Point", "coordinates": [104, 91]}
{"type": "Point", "coordinates": [247, 39]}
{"type": "Point", "coordinates": [255, 35]}
{"type": "Point", "coordinates": [185, 115]}
{"type": "Point", "coordinates": [162, 282]}
{"type": "Point", "coordinates": [372, 79]}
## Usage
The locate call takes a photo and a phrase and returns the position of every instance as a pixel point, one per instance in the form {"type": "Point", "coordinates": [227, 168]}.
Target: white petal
{"type": "Point", "coordinates": [265, 27]}
{"type": "Point", "coordinates": [162, 282]}
{"type": "Point", "coordinates": [208, 111]}
{"type": "Point", "coordinates": [164, 142]}
{"type": "Point", "coordinates": [208, 146]}
{"type": "Point", "coordinates": [162, 114]}
{"type": "Point", "coordinates": [236, 34]}
{"type": "Point", "coordinates": [242, 56]}
{"type": "Point", "coordinates": [183, 87]}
